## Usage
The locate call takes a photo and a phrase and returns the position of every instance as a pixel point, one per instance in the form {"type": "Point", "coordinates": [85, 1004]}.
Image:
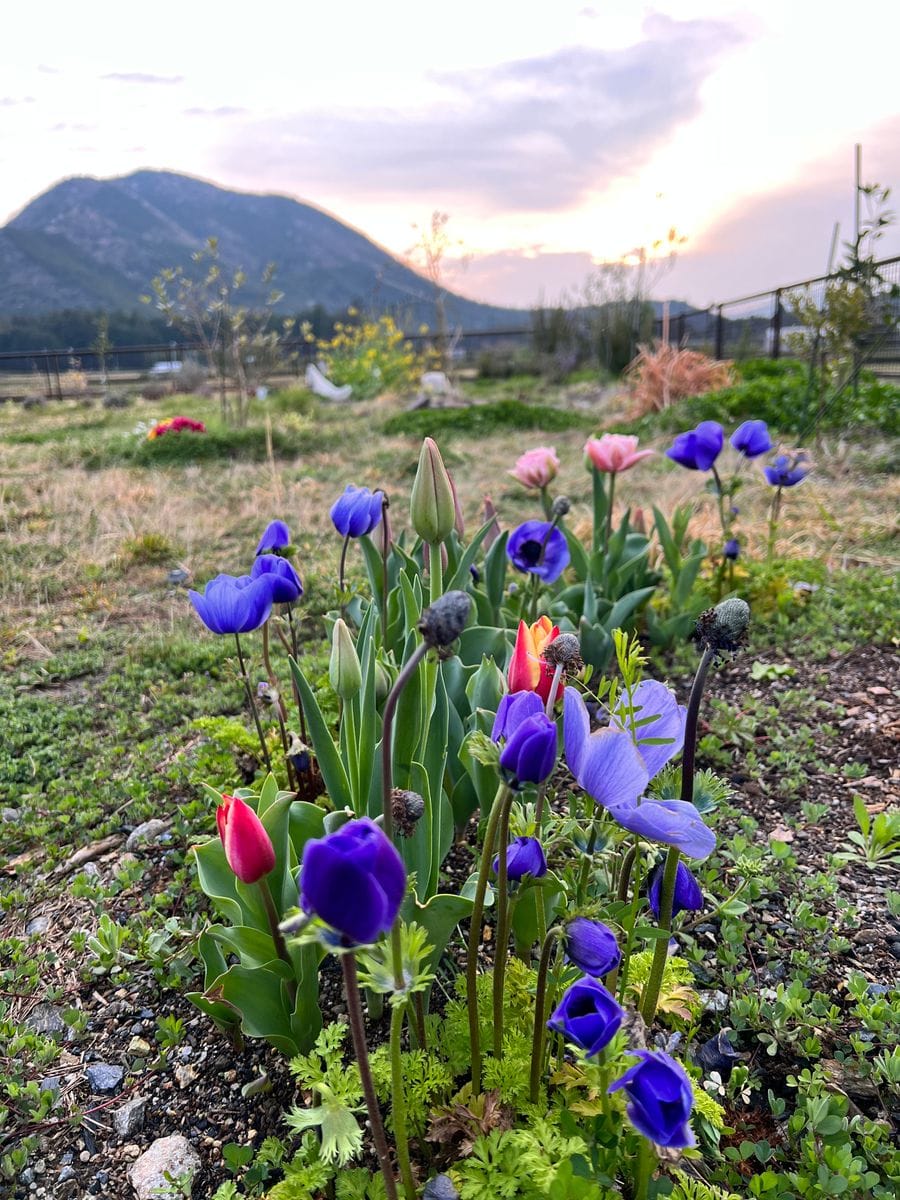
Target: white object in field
{"type": "Point", "coordinates": [262, 393]}
{"type": "Point", "coordinates": [166, 368]}
{"type": "Point", "coordinates": [317, 383]}
{"type": "Point", "coordinates": [436, 383]}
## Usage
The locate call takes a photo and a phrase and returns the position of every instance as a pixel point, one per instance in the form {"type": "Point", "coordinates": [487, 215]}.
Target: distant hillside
{"type": "Point", "coordinates": [96, 244]}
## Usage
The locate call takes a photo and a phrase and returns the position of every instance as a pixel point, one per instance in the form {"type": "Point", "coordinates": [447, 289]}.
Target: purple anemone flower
{"type": "Point", "coordinates": [687, 898]}
{"type": "Point", "coordinates": [660, 1098]}
{"type": "Point", "coordinates": [524, 856]}
{"type": "Point", "coordinates": [513, 709]}
{"type": "Point", "coordinates": [659, 723]}
{"type": "Point", "coordinates": [752, 439]}
{"type": "Point", "coordinates": [276, 536]}
{"type": "Point", "coordinates": [354, 880]}
{"type": "Point", "coordinates": [732, 549]}
{"type": "Point", "coordinates": [588, 1016]}
{"type": "Point", "coordinates": [356, 511]}
{"type": "Point", "coordinates": [591, 946]}
{"type": "Point", "coordinates": [286, 585]}
{"type": "Point", "coordinates": [529, 755]}
{"type": "Point", "coordinates": [699, 448]}
{"type": "Point", "coordinates": [787, 471]}
{"type": "Point", "coordinates": [539, 548]}
{"type": "Point", "coordinates": [234, 604]}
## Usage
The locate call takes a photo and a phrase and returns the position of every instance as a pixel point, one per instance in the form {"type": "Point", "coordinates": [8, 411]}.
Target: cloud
{"type": "Point", "coordinates": [141, 77]}
{"type": "Point", "coordinates": [522, 278]}
{"type": "Point", "coordinates": [224, 110]}
{"type": "Point", "coordinates": [537, 134]}
{"type": "Point", "coordinates": [13, 101]}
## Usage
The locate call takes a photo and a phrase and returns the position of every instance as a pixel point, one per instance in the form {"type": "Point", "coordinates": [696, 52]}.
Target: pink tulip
{"type": "Point", "coordinates": [248, 848]}
{"type": "Point", "coordinates": [537, 467]}
{"type": "Point", "coordinates": [615, 452]}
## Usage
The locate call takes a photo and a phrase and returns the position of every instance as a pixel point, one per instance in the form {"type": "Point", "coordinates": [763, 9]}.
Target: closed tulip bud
{"type": "Point", "coordinates": [248, 848]}
{"type": "Point", "coordinates": [431, 508]}
{"type": "Point", "coordinates": [383, 681]}
{"type": "Point", "coordinates": [344, 670]}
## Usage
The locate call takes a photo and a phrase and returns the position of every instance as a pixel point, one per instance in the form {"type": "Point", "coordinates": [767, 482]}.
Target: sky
{"type": "Point", "coordinates": [557, 136]}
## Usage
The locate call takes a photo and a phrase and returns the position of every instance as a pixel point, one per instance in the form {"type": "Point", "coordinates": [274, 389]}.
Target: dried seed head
{"type": "Point", "coordinates": [406, 809]}
{"type": "Point", "coordinates": [564, 650]}
{"type": "Point", "coordinates": [561, 506]}
{"type": "Point", "coordinates": [724, 628]}
{"type": "Point", "coordinates": [442, 622]}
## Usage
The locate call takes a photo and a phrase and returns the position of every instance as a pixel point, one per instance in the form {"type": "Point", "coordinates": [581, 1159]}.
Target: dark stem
{"type": "Point", "coordinates": [280, 710]}
{"type": "Point", "coordinates": [385, 552]}
{"type": "Point", "coordinates": [361, 1050]}
{"type": "Point", "coordinates": [501, 948]}
{"type": "Point", "coordinates": [475, 932]}
{"type": "Point", "coordinates": [690, 726]}
{"type": "Point", "coordinates": [295, 651]}
{"type": "Point", "coordinates": [252, 702]}
{"type": "Point", "coordinates": [540, 1008]}
{"type": "Point", "coordinates": [342, 566]}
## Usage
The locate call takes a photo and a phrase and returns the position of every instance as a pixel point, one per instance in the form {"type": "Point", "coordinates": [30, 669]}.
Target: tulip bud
{"type": "Point", "coordinates": [248, 848]}
{"type": "Point", "coordinates": [431, 507]}
{"type": "Point", "coordinates": [383, 681]}
{"type": "Point", "coordinates": [344, 670]}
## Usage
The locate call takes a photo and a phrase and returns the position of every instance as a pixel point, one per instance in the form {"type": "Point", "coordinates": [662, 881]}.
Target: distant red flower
{"type": "Point", "coordinates": [176, 425]}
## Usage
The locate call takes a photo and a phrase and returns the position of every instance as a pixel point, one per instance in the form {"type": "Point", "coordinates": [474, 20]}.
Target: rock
{"type": "Point", "coordinates": [138, 1045]}
{"type": "Point", "coordinates": [50, 1084]}
{"type": "Point", "coordinates": [441, 1187]}
{"type": "Point", "coordinates": [130, 1117]}
{"type": "Point", "coordinates": [37, 925]}
{"type": "Point", "coordinates": [104, 1077]}
{"type": "Point", "coordinates": [45, 1019]}
{"type": "Point", "coordinates": [714, 1002]}
{"type": "Point", "coordinates": [65, 1175]}
{"type": "Point", "coordinates": [185, 1075]}
{"type": "Point", "coordinates": [9, 815]}
{"type": "Point", "coordinates": [149, 831]}
{"type": "Point", "coordinates": [895, 949]}
{"type": "Point", "coordinates": [174, 1156]}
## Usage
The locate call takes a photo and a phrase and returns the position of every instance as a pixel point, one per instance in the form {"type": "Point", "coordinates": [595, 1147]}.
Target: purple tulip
{"type": "Point", "coordinates": [286, 585]}
{"type": "Point", "coordinates": [752, 439]}
{"type": "Point", "coordinates": [354, 880]}
{"type": "Point", "coordinates": [588, 1016]}
{"type": "Point", "coordinates": [699, 448]}
{"type": "Point", "coordinates": [234, 604]}
{"type": "Point", "coordinates": [660, 1099]}
{"type": "Point", "coordinates": [529, 755]}
{"type": "Point", "coordinates": [276, 536]}
{"type": "Point", "coordinates": [356, 511]}
{"type": "Point", "coordinates": [539, 548]}
{"type": "Point", "coordinates": [687, 897]}
{"type": "Point", "coordinates": [591, 946]}
{"type": "Point", "coordinates": [524, 856]}
{"type": "Point", "coordinates": [787, 472]}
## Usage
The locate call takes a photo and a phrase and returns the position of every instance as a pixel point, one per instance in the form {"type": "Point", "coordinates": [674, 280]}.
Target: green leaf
{"type": "Point", "coordinates": [327, 756]}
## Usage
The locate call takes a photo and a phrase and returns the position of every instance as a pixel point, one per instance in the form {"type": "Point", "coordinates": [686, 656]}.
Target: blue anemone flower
{"type": "Point", "coordinates": [356, 511]}
{"type": "Point", "coordinates": [286, 585]}
{"type": "Point", "coordinates": [276, 536]}
{"type": "Point", "coordinates": [234, 604]}
{"type": "Point", "coordinates": [539, 548]}
{"type": "Point", "coordinates": [699, 448]}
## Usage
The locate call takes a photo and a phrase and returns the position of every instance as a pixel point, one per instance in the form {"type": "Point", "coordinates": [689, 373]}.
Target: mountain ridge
{"type": "Point", "coordinates": [95, 243]}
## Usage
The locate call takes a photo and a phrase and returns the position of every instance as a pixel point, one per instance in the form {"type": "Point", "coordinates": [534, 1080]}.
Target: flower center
{"type": "Point", "coordinates": [532, 551]}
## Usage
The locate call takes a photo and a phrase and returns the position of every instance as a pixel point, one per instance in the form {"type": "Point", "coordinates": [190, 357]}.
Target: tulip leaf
{"type": "Point", "coordinates": [268, 794]}
{"type": "Point", "coordinates": [461, 576]}
{"type": "Point", "coordinates": [374, 567]}
{"type": "Point", "coordinates": [306, 1019]}
{"type": "Point", "coordinates": [417, 851]}
{"type": "Point", "coordinates": [255, 948]}
{"type": "Point", "coordinates": [483, 641]}
{"type": "Point", "coordinates": [495, 563]}
{"type": "Point", "coordinates": [260, 996]}
{"type": "Point", "coordinates": [439, 917]}
{"type": "Point", "coordinates": [218, 881]}
{"type": "Point", "coordinates": [524, 916]}
{"type": "Point", "coordinates": [625, 606]}
{"type": "Point", "coordinates": [305, 821]}
{"type": "Point", "coordinates": [327, 756]}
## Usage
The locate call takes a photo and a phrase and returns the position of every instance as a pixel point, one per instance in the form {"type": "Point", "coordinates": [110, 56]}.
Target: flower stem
{"type": "Point", "coordinates": [253, 708]}
{"type": "Point", "coordinates": [643, 1169]}
{"type": "Point", "coordinates": [599, 497]}
{"type": "Point", "coordinates": [342, 567]}
{"type": "Point", "coordinates": [280, 710]}
{"type": "Point", "coordinates": [435, 572]}
{"type": "Point", "coordinates": [501, 949]}
{"type": "Point", "coordinates": [546, 502]}
{"type": "Point", "coordinates": [540, 1011]}
{"type": "Point", "coordinates": [475, 933]}
{"type": "Point", "coordinates": [774, 513]}
{"type": "Point", "coordinates": [607, 528]}
{"type": "Point", "coordinates": [398, 1103]}
{"type": "Point", "coordinates": [361, 1050]}
{"type": "Point", "coordinates": [272, 917]}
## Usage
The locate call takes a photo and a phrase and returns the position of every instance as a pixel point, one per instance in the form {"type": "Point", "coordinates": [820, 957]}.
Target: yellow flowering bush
{"type": "Point", "coordinates": [372, 356]}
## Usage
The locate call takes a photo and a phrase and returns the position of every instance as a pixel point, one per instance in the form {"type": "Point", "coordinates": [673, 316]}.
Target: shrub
{"type": "Point", "coordinates": [478, 419]}
{"type": "Point", "coordinates": [372, 357]}
{"type": "Point", "coordinates": [661, 375]}
{"type": "Point", "coordinates": [184, 449]}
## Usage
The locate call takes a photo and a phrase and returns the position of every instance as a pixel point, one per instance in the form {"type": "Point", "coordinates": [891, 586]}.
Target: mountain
{"type": "Point", "coordinates": [96, 244]}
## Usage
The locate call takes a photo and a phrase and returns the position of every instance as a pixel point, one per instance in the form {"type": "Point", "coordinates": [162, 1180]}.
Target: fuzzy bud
{"type": "Point", "coordinates": [406, 809]}
{"type": "Point", "coordinates": [565, 651]}
{"type": "Point", "coordinates": [561, 506]}
{"type": "Point", "coordinates": [442, 622]}
{"type": "Point", "coordinates": [724, 628]}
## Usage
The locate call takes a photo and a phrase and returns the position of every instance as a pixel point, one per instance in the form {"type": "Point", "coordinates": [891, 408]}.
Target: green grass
{"type": "Point", "coordinates": [482, 419]}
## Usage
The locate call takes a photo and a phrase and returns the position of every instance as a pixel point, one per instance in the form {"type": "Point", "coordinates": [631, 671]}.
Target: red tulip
{"type": "Point", "coordinates": [528, 672]}
{"type": "Point", "coordinates": [248, 848]}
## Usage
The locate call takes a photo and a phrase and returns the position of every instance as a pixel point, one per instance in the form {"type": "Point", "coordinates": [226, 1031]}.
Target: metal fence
{"type": "Point", "coordinates": [765, 324]}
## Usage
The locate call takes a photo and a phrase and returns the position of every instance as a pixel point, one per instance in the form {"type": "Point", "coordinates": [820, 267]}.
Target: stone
{"type": "Point", "coordinates": [50, 1084]}
{"type": "Point", "coordinates": [172, 1155]}
{"type": "Point", "coordinates": [441, 1187]}
{"type": "Point", "coordinates": [149, 832]}
{"type": "Point", "coordinates": [104, 1077]}
{"type": "Point", "coordinates": [185, 1075]}
{"type": "Point", "coordinates": [37, 925]}
{"type": "Point", "coordinates": [138, 1045]}
{"type": "Point", "coordinates": [45, 1019]}
{"type": "Point", "coordinates": [130, 1117]}
{"type": "Point", "coordinates": [714, 1002]}
{"type": "Point", "coordinates": [66, 1174]}
{"type": "Point", "coordinates": [10, 815]}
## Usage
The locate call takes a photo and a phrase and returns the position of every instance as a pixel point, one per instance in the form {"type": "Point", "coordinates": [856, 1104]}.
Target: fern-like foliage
{"type": "Point", "coordinates": [710, 790]}
{"type": "Point", "coordinates": [307, 1174]}
{"type": "Point", "coordinates": [688, 1188]}
{"type": "Point", "coordinates": [339, 1089]}
{"type": "Point", "coordinates": [427, 1081]}
{"type": "Point", "coordinates": [676, 994]}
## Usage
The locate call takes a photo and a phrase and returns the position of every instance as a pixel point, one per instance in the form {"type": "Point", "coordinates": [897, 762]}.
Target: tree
{"type": "Point", "coordinates": [236, 341]}
{"type": "Point", "coordinates": [429, 253]}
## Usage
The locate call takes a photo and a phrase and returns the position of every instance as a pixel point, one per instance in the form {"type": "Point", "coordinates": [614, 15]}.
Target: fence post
{"type": "Point", "coordinates": [776, 326]}
{"type": "Point", "coordinates": [720, 332]}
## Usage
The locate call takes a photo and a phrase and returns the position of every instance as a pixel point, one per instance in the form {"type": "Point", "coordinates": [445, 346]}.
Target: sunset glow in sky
{"type": "Point", "coordinates": [556, 135]}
